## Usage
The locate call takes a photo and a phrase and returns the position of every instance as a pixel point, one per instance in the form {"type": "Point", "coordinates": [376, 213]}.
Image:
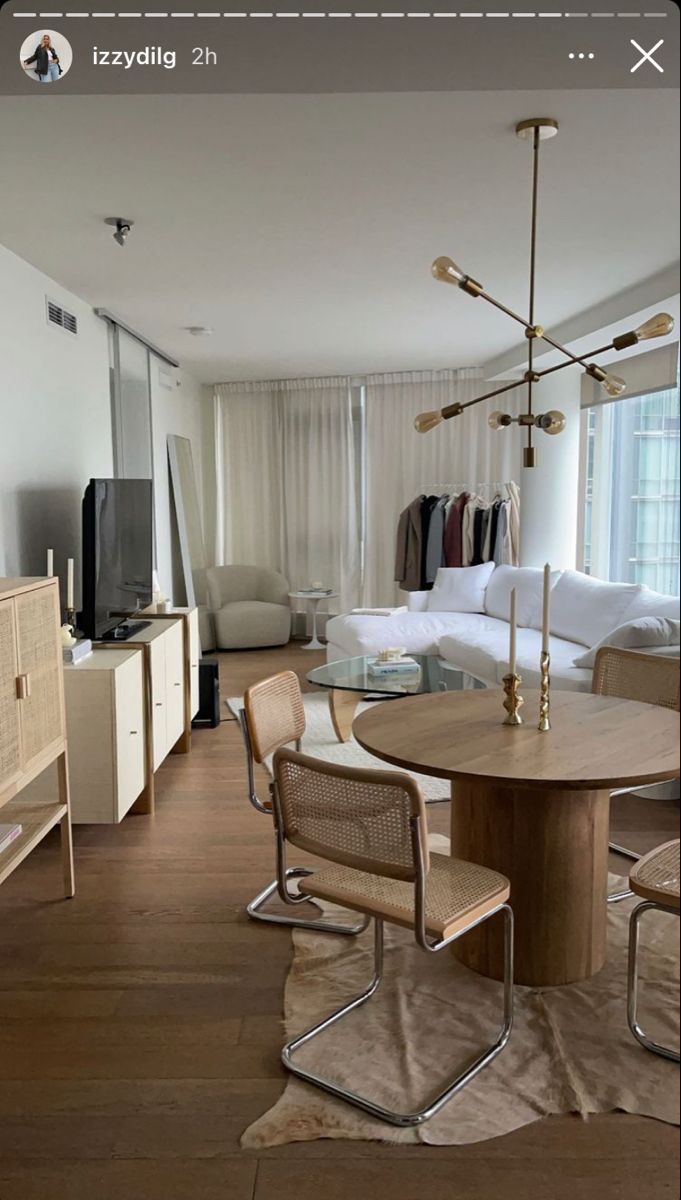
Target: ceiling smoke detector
{"type": "Point", "coordinates": [122, 226]}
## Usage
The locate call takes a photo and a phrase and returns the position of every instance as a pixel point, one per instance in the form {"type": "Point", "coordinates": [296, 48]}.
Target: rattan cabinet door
{"type": "Point", "coordinates": [40, 660]}
{"type": "Point", "coordinates": [10, 751]}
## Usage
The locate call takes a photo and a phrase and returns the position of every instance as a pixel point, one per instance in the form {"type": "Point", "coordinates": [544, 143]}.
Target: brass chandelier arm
{"type": "Point", "coordinates": [507, 387]}
{"type": "Point", "coordinates": [573, 360]}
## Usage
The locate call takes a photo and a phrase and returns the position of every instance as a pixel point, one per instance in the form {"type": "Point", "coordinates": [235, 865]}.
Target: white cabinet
{"type": "Point", "coordinates": [105, 727]}
{"type": "Point", "coordinates": [167, 686]}
{"type": "Point", "coordinates": [194, 656]}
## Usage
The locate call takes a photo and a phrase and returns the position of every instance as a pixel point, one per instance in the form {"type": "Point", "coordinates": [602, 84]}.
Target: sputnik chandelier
{"type": "Point", "coordinates": [535, 130]}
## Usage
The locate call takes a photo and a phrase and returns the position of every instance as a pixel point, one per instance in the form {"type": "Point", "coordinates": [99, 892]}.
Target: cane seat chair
{"type": "Point", "coordinates": [273, 716]}
{"type": "Point", "coordinates": [655, 879]}
{"type": "Point", "coordinates": [630, 675]}
{"type": "Point", "coordinates": [371, 827]}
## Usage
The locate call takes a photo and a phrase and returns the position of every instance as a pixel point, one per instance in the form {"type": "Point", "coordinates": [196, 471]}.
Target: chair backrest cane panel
{"type": "Point", "coordinates": [629, 675]}
{"type": "Point", "coordinates": [358, 817]}
{"type": "Point", "coordinates": [656, 876]}
{"type": "Point", "coordinates": [275, 713]}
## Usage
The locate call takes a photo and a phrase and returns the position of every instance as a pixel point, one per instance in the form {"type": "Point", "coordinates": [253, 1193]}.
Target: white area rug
{"type": "Point", "coordinates": [321, 742]}
{"type": "Point", "coordinates": [570, 1050]}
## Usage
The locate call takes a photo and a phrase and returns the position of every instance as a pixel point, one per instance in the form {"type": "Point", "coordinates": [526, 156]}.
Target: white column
{"type": "Point", "coordinates": [549, 492]}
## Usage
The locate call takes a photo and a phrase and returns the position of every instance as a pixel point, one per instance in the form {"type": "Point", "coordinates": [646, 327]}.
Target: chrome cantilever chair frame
{"type": "Point", "coordinates": [279, 886]}
{"type": "Point", "coordinates": [632, 982]}
{"type": "Point", "coordinates": [403, 1120]}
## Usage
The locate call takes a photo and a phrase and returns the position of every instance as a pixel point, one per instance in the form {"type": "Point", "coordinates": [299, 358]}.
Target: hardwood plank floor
{"type": "Point", "coordinates": [140, 1023]}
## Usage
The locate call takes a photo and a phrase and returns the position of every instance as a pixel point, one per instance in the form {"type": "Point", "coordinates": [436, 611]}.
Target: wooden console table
{"type": "Point", "coordinates": [534, 806]}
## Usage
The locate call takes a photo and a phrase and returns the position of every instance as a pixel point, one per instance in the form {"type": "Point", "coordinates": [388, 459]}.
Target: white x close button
{"type": "Point", "coordinates": [647, 56]}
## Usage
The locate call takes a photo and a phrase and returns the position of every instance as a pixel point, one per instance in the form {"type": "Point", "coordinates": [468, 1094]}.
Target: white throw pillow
{"type": "Point", "coordinates": [460, 589]}
{"type": "Point", "coordinates": [529, 585]}
{"type": "Point", "coordinates": [653, 604]}
{"type": "Point", "coordinates": [584, 609]}
{"type": "Point", "coordinates": [642, 634]}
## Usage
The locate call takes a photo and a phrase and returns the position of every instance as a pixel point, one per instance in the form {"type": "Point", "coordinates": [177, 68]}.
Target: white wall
{"type": "Point", "coordinates": [55, 419]}
{"type": "Point", "coordinates": [549, 492]}
{"type": "Point", "coordinates": [56, 431]}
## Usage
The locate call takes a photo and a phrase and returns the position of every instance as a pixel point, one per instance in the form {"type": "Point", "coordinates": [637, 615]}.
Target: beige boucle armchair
{"type": "Point", "coordinates": [250, 606]}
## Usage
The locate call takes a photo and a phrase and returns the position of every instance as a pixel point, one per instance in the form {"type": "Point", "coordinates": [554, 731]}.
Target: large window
{"type": "Point", "coordinates": [631, 472]}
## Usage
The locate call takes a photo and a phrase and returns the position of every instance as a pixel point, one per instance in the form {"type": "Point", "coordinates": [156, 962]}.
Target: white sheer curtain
{"type": "Point", "coordinates": [401, 463]}
{"type": "Point", "coordinates": [287, 486]}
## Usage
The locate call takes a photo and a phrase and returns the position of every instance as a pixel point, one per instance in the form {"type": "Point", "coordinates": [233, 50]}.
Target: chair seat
{"type": "Point", "coordinates": [656, 876]}
{"type": "Point", "coordinates": [457, 893]}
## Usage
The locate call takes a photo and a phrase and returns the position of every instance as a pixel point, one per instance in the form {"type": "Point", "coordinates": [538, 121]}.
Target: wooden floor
{"type": "Point", "coordinates": [140, 1023]}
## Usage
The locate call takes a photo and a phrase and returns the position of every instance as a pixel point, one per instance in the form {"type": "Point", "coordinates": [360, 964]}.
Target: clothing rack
{"type": "Point", "coordinates": [435, 489]}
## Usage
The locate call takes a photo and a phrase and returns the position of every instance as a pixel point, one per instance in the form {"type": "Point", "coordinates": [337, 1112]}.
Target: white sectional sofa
{"type": "Point", "coordinates": [585, 612]}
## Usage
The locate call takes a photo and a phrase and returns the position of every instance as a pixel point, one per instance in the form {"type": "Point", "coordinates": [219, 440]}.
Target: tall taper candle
{"type": "Point", "coordinates": [69, 583]}
{"type": "Point", "coordinates": [50, 563]}
{"type": "Point", "coordinates": [512, 634]}
{"type": "Point", "coordinates": [546, 610]}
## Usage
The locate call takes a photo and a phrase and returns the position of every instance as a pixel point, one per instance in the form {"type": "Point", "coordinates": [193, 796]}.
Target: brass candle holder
{"type": "Point", "coordinates": [513, 701]}
{"type": "Point", "coordinates": [544, 692]}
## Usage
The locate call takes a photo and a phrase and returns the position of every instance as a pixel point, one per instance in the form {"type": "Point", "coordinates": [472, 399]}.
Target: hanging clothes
{"type": "Point", "coordinates": [428, 506]}
{"type": "Point", "coordinates": [408, 547]}
{"type": "Point", "coordinates": [453, 540]}
{"type": "Point", "coordinates": [435, 543]}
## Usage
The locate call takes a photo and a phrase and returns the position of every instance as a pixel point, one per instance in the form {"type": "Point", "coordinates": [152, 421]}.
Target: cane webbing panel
{"type": "Point", "coordinates": [649, 678]}
{"type": "Point", "coordinates": [9, 706]}
{"type": "Point", "coordinates": [656, 875]}
{"type": "Point", "coordinates": [275, 713]}
{"type": "Point", "coordinates": [457, 893]}
{"type": "Point", "coordinates": [40, 659]}
{"type": "Point", "coordinates": [357, 817]}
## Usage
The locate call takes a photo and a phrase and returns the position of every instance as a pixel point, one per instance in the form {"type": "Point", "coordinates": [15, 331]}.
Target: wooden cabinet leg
{"type": "Point", "coordinates": [342, 706]}
{"type": "Point", "coordinates": [65, 828]}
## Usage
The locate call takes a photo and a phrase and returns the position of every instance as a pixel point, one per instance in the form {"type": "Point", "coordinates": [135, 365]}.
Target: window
{"type": "Point", "coordinates": [631, 472]}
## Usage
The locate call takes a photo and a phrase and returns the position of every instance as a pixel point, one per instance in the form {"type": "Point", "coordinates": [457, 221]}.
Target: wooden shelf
{"type": "Point", "coordinates": [37, 820]}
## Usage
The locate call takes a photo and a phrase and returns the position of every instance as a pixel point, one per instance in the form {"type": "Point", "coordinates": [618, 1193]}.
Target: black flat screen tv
{"type": "Point", "coordinates": [118, 549]}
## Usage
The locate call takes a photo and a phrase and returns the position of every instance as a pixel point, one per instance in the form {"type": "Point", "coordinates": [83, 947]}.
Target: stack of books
{"type": "Point", "coordinates": [77, 652]}
{"type": "Point", "coordinates": [9, 834]}
{"type": "Point", "coordinates": [395, 666]}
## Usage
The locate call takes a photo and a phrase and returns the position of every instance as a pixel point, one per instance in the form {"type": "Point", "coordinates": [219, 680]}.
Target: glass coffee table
{"type": "Point", "coordinates": [349, 681]}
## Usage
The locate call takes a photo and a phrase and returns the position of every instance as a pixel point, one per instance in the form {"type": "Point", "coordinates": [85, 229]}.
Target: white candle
{"type": "Point", "coordinates": [50, 563]}
{"type": "Point", "coordinates": [546, 610]}
{"type": "Point", "coordinates": [69, 583]}
{"type": "Point", "coordinates": [512, 636]}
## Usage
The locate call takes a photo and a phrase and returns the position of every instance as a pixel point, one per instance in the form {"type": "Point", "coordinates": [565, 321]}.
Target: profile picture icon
{"type": "Point", "coordinates": [46, 56]}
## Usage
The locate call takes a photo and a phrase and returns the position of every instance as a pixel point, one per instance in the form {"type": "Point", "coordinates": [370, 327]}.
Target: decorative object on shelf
{"type": "Point", "coordinates": [50, 563]}
{"type": "Point", "coordinates": [535, 130]}
{"type": "Point", "coordinates": [66, 636]}
{"type": "Point", "coordinates": [158, 597]}
{"type": "Point", "coordinates": [70, 602]}
{"type": "Point", "coordinates": [545, 657]}
{"type": "Point", "coordinates": [76, 650]}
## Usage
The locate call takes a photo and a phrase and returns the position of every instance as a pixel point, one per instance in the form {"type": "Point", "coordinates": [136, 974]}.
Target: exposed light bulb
{"type": "Point", "coordinates": [657, 326]}
{"type": "Point", "coordinates": [613, 385]}
{"type": "Point", "coordinates": [498, 420]}
{"type": "Point", "coordinates": [446, 271]}
{"type": "Point", "coordinates": [552, 422]}
{"type": "Point", "coordinates": [427, 421]}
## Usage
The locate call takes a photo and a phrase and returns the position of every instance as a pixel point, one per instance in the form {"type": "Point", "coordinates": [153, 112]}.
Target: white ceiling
{"type": "Point", "coordinates": [301, 228]}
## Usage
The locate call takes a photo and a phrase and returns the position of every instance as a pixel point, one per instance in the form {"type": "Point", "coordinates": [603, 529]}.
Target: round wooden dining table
{"type": "Point", "coordinates": [534, 806]}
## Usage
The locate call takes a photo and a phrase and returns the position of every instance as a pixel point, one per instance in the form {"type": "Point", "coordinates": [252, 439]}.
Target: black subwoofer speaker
{"type": "Point", "coordinates": [208, 715]}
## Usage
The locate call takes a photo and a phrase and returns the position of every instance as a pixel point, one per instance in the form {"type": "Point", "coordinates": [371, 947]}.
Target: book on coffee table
{"type": "Point", "coordinates": [397, 666]}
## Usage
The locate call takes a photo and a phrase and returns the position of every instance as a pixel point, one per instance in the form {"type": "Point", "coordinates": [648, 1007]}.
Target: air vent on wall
{"type": "Point", "coordinates": [56, 315]}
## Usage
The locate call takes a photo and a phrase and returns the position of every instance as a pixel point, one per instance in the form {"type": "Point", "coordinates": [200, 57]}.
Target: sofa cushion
{"type": "Point", "coordinates": [584, 609]}
{"type": "Point", "coordinates": [645, 633]}
{"type": "Point", "coordinates": [484, 653]}
{"type": "Point", "coordinates": [647, 603]}
{"type": "Point", "coordinates": [565, 676]}
{"type": "Point", "coordinates": [419, 632]}
{"type": "Point", "coordinates": [529, 585]}
{"type": "Point", "coordinates": [460, 589]}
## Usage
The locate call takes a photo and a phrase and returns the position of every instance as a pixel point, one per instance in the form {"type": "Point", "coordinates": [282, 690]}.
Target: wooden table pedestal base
{"type": "Point", "coordinates": [553, 846]}
{"type": "Point", "coordinates": [342, 707]}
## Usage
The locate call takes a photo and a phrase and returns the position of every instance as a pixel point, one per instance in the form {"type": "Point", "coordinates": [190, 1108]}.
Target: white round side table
{"type": "Point", "coordinates": [314, 599]}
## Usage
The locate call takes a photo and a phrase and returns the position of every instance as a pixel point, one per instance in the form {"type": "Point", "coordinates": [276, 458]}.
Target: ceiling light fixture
{"type": "Point", "coordinates": [122, 227]}
{"type": "Point", "coordinates": [535, 130]}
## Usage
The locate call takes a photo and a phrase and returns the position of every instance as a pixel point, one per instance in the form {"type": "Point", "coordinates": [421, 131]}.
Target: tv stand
{"type": "Point", "coordinates": [123, 633]}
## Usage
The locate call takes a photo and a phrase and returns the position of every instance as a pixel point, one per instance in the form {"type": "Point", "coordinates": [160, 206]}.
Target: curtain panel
{"type": "Point", "coordinates": [401, 463]}
{"type": "Point", "coordinates": [287, 482]}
